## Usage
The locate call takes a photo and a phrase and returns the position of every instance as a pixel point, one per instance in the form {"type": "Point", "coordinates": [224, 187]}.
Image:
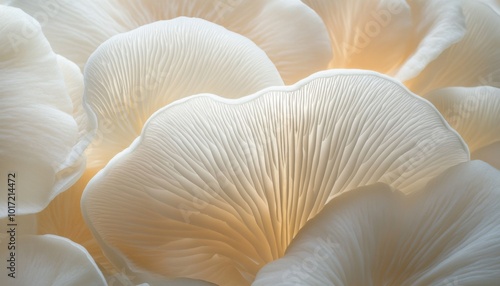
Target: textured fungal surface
{"type": "Point", "coordinates": [224, 185]}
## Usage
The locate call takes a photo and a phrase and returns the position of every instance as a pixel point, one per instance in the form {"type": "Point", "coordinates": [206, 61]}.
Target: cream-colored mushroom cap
{"type": "Point", "coordinates": [214, 189]}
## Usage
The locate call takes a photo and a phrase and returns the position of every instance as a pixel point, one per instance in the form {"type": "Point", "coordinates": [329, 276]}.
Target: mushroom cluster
{"type": "Point", "coordinates": [250, 142]}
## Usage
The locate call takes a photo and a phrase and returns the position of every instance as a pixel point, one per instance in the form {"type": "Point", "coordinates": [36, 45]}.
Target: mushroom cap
{"type": "Point", "coordinates": [425, 44]}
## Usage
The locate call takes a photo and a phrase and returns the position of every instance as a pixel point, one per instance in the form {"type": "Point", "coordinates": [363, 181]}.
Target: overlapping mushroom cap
{"type": "Point", "coordinates": [291, 33]}
{"type": "Point", "coordinates": [134, 74]}
{"type": "Point", "coordinates": [445, 234]}
{"type": "Point", "coordinates": [214, 189]}
{"type": "Point", "coordinates": [43, 132]}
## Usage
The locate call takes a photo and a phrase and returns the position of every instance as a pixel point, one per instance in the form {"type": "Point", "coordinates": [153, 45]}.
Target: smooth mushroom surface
{"type": "Point", "coordinates": [489, 154]}
{"type": "Point", "coordinates": [214, 189]}
{"type": "Point", "coordinates": [43, 132]}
